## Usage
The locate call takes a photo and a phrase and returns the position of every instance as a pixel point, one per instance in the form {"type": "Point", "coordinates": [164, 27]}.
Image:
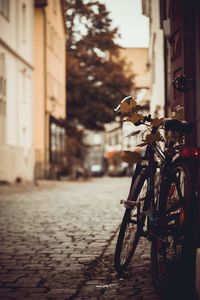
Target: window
{"type": "Point", "coordinates": [2, 84]}
{"type": "Point", "coordinates": [57, 142]}
{"type": "Point", "coordinates": [4, 8]}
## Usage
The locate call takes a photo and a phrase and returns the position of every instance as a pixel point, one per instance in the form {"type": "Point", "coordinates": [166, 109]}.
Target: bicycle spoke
{"type": "Point", "coordinates": [130, 231]}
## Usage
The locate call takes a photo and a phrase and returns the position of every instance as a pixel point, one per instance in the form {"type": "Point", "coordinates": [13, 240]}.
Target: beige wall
{"type": "Point", "coordinates": [16, 70]}
{"type": "Point", "coordinates": [137, 59]}
{"type": "Point", "coordinates": [55, 59]}
{"type": "Point", "coordinates": [16, 162]}
{"type": "Point", "coordinates": [50, 76]}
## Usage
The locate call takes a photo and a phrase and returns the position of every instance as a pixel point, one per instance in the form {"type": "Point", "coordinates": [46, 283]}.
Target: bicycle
{"type": "Point", "coordinates": [160, 204]}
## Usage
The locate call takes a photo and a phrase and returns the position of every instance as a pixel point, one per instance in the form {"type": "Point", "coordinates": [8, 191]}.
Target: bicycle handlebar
{"type": "Point", "coordinates": [173, 125]}
{"type": "Point", "coordinates": [146, 119]}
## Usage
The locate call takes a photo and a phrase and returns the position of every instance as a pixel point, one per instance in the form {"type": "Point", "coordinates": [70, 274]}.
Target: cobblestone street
{"type": "Point", "coordinates": [57, 242]}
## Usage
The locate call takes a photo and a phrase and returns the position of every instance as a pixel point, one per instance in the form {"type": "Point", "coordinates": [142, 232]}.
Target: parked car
{"type": "Point", "coordinates": [96, 170]}
{"type": "Point", "coordinates": [122, 169]}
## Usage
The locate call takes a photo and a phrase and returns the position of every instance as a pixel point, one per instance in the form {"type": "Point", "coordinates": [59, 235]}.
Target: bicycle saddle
{"type": "Point", "coordinates": [178, 126]}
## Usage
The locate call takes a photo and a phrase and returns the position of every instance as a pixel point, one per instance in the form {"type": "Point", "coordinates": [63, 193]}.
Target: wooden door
{"type": "Point", "coordinates": [176, 43]}
{"type": "Point", "coordinates": [183, 57]}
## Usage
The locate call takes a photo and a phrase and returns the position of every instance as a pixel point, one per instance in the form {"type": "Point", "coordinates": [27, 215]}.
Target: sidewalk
{"type": "Point", "coordinates": [12, 188]}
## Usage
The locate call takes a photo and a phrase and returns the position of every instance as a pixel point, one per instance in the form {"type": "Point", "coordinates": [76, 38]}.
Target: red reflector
{"type": "Point", "coordinates": [190, 152]}
{"type": "Point", "coordinates": [185, 152]}
{"type": "Point", "coordinates": [195, 152]}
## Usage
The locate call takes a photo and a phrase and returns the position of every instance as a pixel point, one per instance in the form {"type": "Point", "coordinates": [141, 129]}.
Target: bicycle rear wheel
{"type": "Point", "coordinates": [173, 241]}
{"type": "Point", "coordinates": [132, 224]}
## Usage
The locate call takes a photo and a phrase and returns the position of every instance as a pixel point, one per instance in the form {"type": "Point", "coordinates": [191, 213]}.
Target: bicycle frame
{"type": "Point", "coordinates": [151, 202]}
{"type": "Point", "coordinates": [166, 158]}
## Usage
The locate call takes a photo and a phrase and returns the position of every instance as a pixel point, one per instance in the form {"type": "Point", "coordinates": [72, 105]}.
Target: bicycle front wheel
{"type": "Point", "coordinates": [132, 224]}
{"type": "Point", "coordinates": [168, 248]}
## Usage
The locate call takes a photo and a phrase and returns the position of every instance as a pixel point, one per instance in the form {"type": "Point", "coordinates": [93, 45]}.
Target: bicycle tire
{"type": "Point", "coordinates": [134, 233]}
{"type": "Point", "coordinates": [168, 260]}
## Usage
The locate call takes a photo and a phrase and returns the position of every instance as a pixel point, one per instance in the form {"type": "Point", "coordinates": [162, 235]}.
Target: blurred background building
{"type": "Point", "coordinates": [16, 90]}
{"type": "Point", "coordinates": [94, 152]}
{"type": "Point", "coordinates": [32, 88]}
{"type": "Point", "coordinates": [49, 88]}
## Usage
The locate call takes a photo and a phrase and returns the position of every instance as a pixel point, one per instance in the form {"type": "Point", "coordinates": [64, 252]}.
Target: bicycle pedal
{"type": "Point", "coordinates": [128, 204]}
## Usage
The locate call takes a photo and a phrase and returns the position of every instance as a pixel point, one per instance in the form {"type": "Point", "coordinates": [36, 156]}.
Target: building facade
{"type": "Point", "coordinates": [179, 26]}
{"type": "Point", "coordinates": [16, 90]}
{"type": "Point", "coordinates": [50, 87]}
{"type": "Point", "coordinates": [180, 21]}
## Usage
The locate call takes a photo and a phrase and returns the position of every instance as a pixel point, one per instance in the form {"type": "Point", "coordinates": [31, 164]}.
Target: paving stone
{"type": "Point", "coordinates": [58, 241]}
{"type": "Point", "coordinates": [62, 293]}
